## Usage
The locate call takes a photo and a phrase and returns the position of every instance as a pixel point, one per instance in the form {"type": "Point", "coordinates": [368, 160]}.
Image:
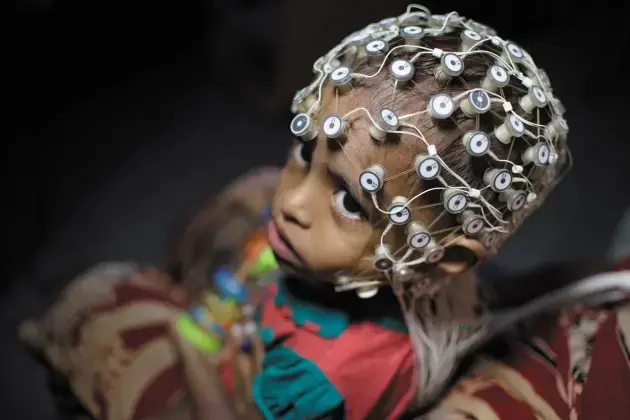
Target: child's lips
{"type": "Point", "coordinates": [281, 246]}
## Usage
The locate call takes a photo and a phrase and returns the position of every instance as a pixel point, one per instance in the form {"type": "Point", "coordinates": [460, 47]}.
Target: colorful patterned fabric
{"type": "Point", "coordinates": [578, 370]}
{"type": "Point", "coordinates": [113, 327]}
{"type": "Point", "coordinates": [320, 362]}
{"type": "Point", "coordinates": [110, 335]}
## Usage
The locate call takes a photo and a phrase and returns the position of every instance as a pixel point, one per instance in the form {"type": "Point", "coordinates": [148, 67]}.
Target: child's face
{"type": "Point", "coordinates": [319, 209]}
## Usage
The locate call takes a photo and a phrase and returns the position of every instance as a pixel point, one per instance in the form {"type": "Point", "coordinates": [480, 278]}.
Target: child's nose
{"type": "Point", "coordinates": [295, 209]}
{"type": "Point", "coordinates": [297, 216]}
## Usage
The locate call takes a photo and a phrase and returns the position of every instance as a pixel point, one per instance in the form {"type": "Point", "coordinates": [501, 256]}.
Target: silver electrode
{"type": "Point", "coordinates": [387, 121]}
{"type": "Point", "coordinates": [376, 51]}
{"type": "Point", "coordinates": [398, 211]}
{"type": "Point", "coordinates": [514, 199]}
{"type": "Point", "coordinates": [401, 71]}
{"type": "Point", "coordinates": [381, 260]}
{"type": "Point", "coordinates": [498, 180]}
{"type": "Point", "coordinates": [372, 179]}
{"type": "Point", "coordinates": [441, 106]}
{"type": "Point", "coordinates": [454, 200]}
{"type": "Point", "coordinates": [535, 98]}
{"type": "Point", "coordinates": [512, 127]}
{"type": "Point", "coordinates": [450, 66]}
{"type": "Point", "coordinates": [335, 127]}
{"type": "Point", "coordinates": [496, 78]}
{"type": "Point", "coordinates": [476, 102]}
{"type": "Point", "coordinates": [472, 223]}
{"type": "Point", "coordinates": [412, 36]}
{"type": "Point", "coordinates": [427, 167]}
{"type": "Point", "coordinates": [341, 79]}
{"type": "Point", "coordinates": [418, 237]}
{"type": "Point", "coordinates": [302, 126]}
{"type": "Point", "coordinates": [476, 143]}
{"type": "Point", "coordinates": [469, 39]}
{"type": "Point", "coordinates": [538, 154]}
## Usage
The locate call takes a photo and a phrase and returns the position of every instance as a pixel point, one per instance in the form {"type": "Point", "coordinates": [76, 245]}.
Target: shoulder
{"type": "Point", "coordinates": [362, 368]}
{"type": "Point", "coordinates": [372, 365]}
{"type": "Point", "coordinates": [494, 391]}
{"type": "Point", "coordinates": [366, 371]}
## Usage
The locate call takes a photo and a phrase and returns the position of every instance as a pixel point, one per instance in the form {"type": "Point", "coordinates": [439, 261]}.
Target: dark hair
{"type": "Point", "coordinates": [378, 92]}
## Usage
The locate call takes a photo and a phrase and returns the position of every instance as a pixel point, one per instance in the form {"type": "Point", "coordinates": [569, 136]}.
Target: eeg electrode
{"type": "Point", "coordinates": [497, 77]}
{"type": "Point", "coordinates": [441, 106]}
{"type": "Point", "coordinates": [476, 102]}
{"type": "Point", "coordinates": [401, 71]}
{"type": "Point", "coordinates": [535, 98]}
{"type": "Point", "coordinates": [537, 154]}
{"type": "Point", "coordinates": [358, 42]}
{"type": "Point", "coordinates": [450, 66]}
{"type": "Point", "coordinates": [387, 121]}
{"type": "Point", "coordinates": [433, 253]}
{"type": "Point", "coordinates": [341, 78]}
{"type": "Point", "coordinates": [427, 167]}
{"type": "Point", "coordinates": [512, 52]}
{"type": "Point", "coordinates": [376, 51]}
{"type": "Point", "coordinates": [558, 126]}
{"type": "Point", "coordinates": [472, 223]}
{"type": "Point", "coordinates": [302, 127]}
{"type": "Point", "coordinates": [398, 211]}
{"type": "Point", "coordinates": [334, 127]}
{"type": "Point", "coordinates": [476, 143]}
{"type": "Point", "coordinates": [498, 180]}
{"type": "Point", "coordinates": [372, 179]}
{"type": "Point", "coordinates": [381, 261]}
{"type": "Point", "coordinates": [454, 200]}
{"type": "Point", "coordinates": [512, 127]}
{"type": "Point", "coordinates": [469, 39]}
{"type": "Point", "coordinates": [413, 36]}
{"type": "Point", "coordinates": [514, 199]}
{"type": "Point", "coordinates": [418, 237]}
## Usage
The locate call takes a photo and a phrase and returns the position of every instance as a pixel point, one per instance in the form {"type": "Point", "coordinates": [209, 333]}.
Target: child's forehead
{"type": "Point", "coordinates": [360, 149]}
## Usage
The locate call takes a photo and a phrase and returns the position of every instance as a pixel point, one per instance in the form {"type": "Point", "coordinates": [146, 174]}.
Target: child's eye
{"type": "Point", "coordinates": [303, 153]}
{"type": "Point", "coordinates": [347, 206]}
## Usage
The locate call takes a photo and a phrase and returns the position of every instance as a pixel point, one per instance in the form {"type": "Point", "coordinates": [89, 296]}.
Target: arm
{"type": "Point", "coordinates": [208, 401]}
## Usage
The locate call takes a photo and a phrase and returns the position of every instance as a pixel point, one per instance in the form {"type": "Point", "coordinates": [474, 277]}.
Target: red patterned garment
{"type": "Point", "coordinates": [580, 370]}
{"type": "Point", "coordinates": [325, 362]}
{"type": "Point", "coordinates": [109, 334]}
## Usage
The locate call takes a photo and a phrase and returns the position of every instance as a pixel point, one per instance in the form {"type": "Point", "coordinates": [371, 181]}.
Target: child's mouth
{"type": "Point", "coordinates": [281, 246]}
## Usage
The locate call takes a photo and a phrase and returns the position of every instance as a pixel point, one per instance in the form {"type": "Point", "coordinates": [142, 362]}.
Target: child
{"type": "Point", "coordinates": [424, 141]}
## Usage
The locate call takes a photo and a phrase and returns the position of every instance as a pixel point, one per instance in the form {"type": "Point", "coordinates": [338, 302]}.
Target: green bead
{"type": "Point", "coordinates": [203, 341]}
{"type": "Point", "coordinates": [265, 263]}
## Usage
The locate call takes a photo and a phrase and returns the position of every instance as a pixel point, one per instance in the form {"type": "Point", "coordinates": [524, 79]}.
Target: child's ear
{"type": "Point", "coordinates": [462, 254]}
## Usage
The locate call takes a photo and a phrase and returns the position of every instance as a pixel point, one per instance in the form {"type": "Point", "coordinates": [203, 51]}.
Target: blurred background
{"type": "Point", "coordinates": [122, 116]}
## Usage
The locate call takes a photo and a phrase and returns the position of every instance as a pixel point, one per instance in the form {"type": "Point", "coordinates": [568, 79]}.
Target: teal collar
{"type": "Point", "coordinates": [331, 321]}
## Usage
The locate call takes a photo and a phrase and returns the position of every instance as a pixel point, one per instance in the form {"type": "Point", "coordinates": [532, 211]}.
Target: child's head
{"type": "Point", "coordinates": [422, 144]}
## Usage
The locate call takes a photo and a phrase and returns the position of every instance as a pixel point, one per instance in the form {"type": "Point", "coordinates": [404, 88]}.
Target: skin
{"type": "Point", "coordinates": [306, 211]}
{"type": "Point", "coordinates": [306, 207]}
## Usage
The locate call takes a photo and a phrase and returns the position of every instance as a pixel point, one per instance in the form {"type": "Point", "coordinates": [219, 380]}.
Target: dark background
{"type": "Point", "coordinates": [121, 116]}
